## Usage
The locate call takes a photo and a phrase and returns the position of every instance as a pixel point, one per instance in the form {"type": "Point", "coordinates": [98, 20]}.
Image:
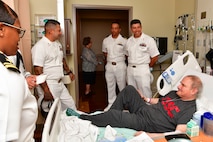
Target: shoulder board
{"type": "Point", "coordinates": [8, 64]}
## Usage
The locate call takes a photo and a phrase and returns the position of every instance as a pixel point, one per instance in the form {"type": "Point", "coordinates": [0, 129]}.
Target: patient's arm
{"type": "Point", "coordinates": [154, 100]}
{"type": "Point", "coordinates": [181, 128]}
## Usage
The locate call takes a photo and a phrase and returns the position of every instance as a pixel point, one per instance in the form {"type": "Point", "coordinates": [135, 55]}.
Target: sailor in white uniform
{"type": "Point", "coordinates": [113, 49]}
{"type": "Point", "coordinates": [18, 107]}
{"type": "Point", "coordinates": [142, 54]}
{"type": "Point", "coordinates": [47, 57]}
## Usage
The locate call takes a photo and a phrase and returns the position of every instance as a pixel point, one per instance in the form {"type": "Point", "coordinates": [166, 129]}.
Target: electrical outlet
{"type": "Point", "coordinates": [203, 15]}
{"type": "Point", "coordinates": [197, 55]}
{"type": "Point", "coordinates": [198, 42]}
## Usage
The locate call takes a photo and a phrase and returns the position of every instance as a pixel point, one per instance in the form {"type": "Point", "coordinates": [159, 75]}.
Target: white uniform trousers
{"type": "Point", "coordinates": [115, 73]}
{"type": "Point", "coordinates": [59, 90]}
{"type": "Point", "coordinates": [141, 78]}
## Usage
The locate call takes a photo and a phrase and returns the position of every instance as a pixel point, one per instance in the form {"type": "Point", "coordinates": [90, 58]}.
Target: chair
{"type": "Point", "coordinates": [52, 123]}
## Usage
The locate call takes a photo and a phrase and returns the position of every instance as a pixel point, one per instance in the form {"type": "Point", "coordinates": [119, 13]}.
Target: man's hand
{"type": "Point", "coordinates": [138, 133]}
{"type": "Point", "coordinates": [151, 135]}
{"type": "Point", "coordinates": [148, 100]}
{"type": "Point", "coordinates": [72, 76]}
{"type": "Point", "coordinates": [48, 96]}
{"type": "Point", "coordinates": [31, 81]}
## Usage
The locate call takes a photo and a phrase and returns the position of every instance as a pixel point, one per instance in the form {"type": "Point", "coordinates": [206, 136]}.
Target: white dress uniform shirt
{"type": "Point", "coordinates": [139, 51]}
{"type": "Point", "coordinates": [115, 67]}
{"type": "Point", "coordinates": [21, 66]}
{"type": "Point", "coordinates": [18, 107]}
{"type": "Point", "coordinates": [114, 48]}
{"type": "Point", "coordinates": [49, 55]}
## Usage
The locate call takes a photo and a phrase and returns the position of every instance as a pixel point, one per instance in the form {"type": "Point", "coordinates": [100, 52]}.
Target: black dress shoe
{"type": "Point", "coordinates": [88, 94]}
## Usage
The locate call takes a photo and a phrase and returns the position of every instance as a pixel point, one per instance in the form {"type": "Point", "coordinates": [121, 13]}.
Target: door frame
{"type": "Point", "coordinates": [74, 34]}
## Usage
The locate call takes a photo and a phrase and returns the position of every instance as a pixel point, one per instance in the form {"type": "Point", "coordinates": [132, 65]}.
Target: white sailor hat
{"type": "Point", "coordinates": [44, 106]}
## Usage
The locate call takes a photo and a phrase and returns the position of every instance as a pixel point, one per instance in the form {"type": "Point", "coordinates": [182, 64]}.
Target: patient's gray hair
{"type": "Point", "coordinates": [196, 83]}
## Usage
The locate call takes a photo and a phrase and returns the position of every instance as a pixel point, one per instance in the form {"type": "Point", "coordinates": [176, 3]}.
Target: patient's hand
{"type": "Point", "coordinates": [143, 97]}
{"type": "Point", "coordinates": [151, 135]}
{"type": "Point", "coordinates": [138, 133]}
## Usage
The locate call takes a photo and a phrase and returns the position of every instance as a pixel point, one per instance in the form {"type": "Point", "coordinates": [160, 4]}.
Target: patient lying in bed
{"type": "Point", "coordinates": [165, 114]}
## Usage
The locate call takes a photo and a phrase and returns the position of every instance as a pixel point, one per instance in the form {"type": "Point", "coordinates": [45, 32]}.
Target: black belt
{"type": "Point", "coordinates": [59, 80]}
{"type": "Point", "coordinates": [113, 63]}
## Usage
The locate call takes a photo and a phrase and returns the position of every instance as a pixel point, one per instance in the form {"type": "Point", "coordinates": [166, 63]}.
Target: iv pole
{"type": "Point", "coordinates": [208, 29]}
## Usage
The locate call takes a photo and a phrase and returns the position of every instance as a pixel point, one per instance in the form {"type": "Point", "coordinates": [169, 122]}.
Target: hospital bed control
{"type": "Point", "coordinates": [167, 77]}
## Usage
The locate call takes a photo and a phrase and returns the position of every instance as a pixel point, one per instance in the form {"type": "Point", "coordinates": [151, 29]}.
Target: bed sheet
{"type": "Point", "coordinates": [75, 129]}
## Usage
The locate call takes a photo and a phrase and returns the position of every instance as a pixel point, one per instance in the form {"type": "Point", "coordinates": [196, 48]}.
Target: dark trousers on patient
{"type": "Point", "coordinates": [127, 99]}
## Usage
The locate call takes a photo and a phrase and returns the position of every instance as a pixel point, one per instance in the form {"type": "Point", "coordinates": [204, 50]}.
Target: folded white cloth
{"type": "Point", "coordinates": [75, 129]}
{"type": "Point", "coordinates": [41, 78]}
{"type": "Point", "coordinates": [110, 133]}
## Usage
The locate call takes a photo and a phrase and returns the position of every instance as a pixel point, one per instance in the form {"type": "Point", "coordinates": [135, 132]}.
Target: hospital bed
{"type": "Point", "coordinates": [185, 64]}
{"type": "Point", "coordinates": [52, 123]}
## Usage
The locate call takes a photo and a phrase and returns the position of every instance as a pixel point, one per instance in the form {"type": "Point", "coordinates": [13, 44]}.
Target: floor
{"type": "Point", "coordinates": [98, 98]}
{"type": "Point", "coordinates": [96, 101]}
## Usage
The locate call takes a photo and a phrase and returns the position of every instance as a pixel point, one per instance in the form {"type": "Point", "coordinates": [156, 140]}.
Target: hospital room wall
{"type": "Point", "coordinates": [184, 7]}
{"type": "Point", "coordinates": [158, 17]}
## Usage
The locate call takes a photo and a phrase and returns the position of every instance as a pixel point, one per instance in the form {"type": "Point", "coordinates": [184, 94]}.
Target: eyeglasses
{"type": "Point", "coordinates": [19, 30]}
